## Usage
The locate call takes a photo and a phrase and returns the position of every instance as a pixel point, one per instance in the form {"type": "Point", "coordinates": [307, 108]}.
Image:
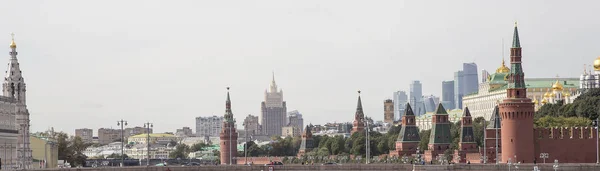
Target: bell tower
{"type": "Point", "coordinates": [14, 87]}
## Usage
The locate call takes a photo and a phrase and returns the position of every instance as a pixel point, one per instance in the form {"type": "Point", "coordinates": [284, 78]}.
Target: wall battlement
{"type": "Point", "coordinates": [565, 133]}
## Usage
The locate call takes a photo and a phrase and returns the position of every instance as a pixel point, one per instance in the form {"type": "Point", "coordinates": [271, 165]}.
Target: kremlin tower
{"type": "Point", "coordinates": [229, 135]}
{"type": "Point", "coordinates": [516, 112]}
{"type": "Point", "coordinates": [358, 125]}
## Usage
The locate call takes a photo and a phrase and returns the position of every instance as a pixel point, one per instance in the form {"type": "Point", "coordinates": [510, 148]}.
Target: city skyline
{"type": "Point", "coordinates": [170, 62]}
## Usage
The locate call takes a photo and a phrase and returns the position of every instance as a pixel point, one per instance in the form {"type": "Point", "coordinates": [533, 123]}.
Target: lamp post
{"type": "Point", "coordinates": [484, 147]}
{"type": "Point", "coordinates": [246, 143]}
{"type": "Point", "coordinates": [367, 143]}
{"type": "Point", "coordinates": [122, 123]}
{"type": "Point", "coordinates": [597, 152]}
{"type": "Point", "coordinates": [148, 126]}
{"type": "Point", "coordinates": [509, 163]}
{"type": "Point", "coordinates": [555, 165]}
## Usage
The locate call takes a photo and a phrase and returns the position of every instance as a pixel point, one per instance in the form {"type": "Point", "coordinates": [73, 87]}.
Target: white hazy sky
{"type": "Point", "coordinates": [90, 63]}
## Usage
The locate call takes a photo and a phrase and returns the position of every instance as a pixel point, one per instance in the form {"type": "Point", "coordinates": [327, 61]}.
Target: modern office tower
{"type": "Point", "coordinates": [416, 97]}
{"type": "Point", "coordinates": [465, 83]}
{"type": "Point", "coordinates": [448, 94]}
{"type": "Point", "coordinates": [400, 100]}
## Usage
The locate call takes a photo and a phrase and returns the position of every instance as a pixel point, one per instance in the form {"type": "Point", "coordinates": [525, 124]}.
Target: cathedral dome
{"type": "Point", "coordinates": [597, 64]}
{"type": "Point", "coordinates": [546, 95]}
{"type": "Point", "coordinates": [557, 86]}
{"type": "Point", "coordinates": [14, 45]}
{"type": "Point", "coordinates": [503, 68]}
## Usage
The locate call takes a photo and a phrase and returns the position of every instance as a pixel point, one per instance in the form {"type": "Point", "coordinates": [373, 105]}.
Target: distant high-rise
{"type": "Point", "coordinates": [471, 78]}
{"type": "Point", "coordinates": [465, 82]}
{"type": "Point", "coordinates": [400, 100]}
{"type": "Point", "coordinates": [273, 116]}
{"type": "Point", "coordinates": [209, 126]}
{"type": "Point", "coordinates": [429, 103]}
{"type": "Point", "coordinates": [448, 94]}
{"type": "Point", "coordinates": [86, 134]}
{"type": "Point", "coordinates": [388, 111]}
{"type": "Point", "coordinates": [295, 120]}
{"type": "Point", "coordinates": [415, 97]}
{"type": "Point", "coordinates": [484, 75]}
{"type": "Point", "coordinates": [252, 126]}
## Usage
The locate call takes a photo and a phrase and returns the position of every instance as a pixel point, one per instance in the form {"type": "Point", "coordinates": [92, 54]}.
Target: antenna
{"type": "Point", "coordinates": [502, 49]}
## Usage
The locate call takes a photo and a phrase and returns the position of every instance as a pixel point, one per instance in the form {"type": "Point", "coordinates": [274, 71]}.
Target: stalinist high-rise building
{"type": "Point", "coordinates": [273, 111]}
{"type": "Point", "coordinates": [15, 114]}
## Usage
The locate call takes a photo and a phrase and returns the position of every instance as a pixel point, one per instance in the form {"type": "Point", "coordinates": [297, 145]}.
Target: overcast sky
{"type": "Point", "coordinates": [88, 64]}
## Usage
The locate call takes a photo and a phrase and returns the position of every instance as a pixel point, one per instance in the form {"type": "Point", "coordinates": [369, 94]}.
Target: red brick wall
{"type": "Point", "coordinates": [568, 145]}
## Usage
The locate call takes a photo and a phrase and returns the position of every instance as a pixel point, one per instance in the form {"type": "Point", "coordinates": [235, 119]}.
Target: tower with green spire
{"type": "Point", "coordinates": [440, 138]}
{"type": "Point", "coordinates": [408, 138]}
{"type": "Point", "coordinates": [228, 136]}
{"type": "Point", "coordinates": [467, 147]}
{"type": "Point", "coordinates": [359, 118]}
{"type": "Point", "coordinates": [516, 111]}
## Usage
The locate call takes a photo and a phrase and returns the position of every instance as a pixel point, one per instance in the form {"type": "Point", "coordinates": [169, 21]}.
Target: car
{"type": "Point", "coordinates": [330, 163]}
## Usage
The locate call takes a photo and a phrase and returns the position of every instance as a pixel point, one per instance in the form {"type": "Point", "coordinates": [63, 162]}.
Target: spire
{"type": "Point", "coordinates": [495, 119]}
{"type": "Point", "coordinates": [408, 110]}
{"type": "Point", "coordinates": [273, 86]}
{"type": "Point", "coordinates": [359, 105]}
{"type": "Point", "coordinates": [466, 113]}
{"type": "Point", "coordinates": [440, 110]}
{"type": "Point", "coordinates": [13, 45]}
{"type": "Point", "coordinates": [516, 42]}
{"type": "Point", "coordinates": [228, 114]}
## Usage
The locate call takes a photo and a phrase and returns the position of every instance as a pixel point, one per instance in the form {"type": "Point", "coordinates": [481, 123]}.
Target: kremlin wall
{"type": "Point", "coordinates": [510, 128]}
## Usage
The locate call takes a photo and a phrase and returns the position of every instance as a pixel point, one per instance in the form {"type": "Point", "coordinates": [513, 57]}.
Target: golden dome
{"type": "Point", "coordinates": [535, 101]}
{"type": "Point", "coordinates": [557, 86]}
{"type": "Point", "coordinates": [12, 42]}
{"type": "Point", "coordinates": [566, 94]}
{"type": "Point", "coordinates": [503, 68]}
{"type": "Point", "coordinates": [547, 94]}
{"type": "Point", "coordinates": [544, 101]}
{"type": "Point", "coordinates": [597, 64]}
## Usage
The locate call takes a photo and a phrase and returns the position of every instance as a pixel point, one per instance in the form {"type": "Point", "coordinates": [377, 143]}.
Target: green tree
{"type": "Point", "coordinates": [424, 134]}
{"type": "Point", "coordinates": [478, 130]}
{"type": "Point", "coordinates": [549, 121]}
{"type": "Point", "coordinates": [116, 156]}
{"type": "Point", "coordinates": [198, 147]}
{"type": "Point", "coordinates": [181, 151]}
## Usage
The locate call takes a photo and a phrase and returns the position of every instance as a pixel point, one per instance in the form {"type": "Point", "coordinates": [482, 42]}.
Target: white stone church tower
{"type": "Point", "coordinates": [14, 87]}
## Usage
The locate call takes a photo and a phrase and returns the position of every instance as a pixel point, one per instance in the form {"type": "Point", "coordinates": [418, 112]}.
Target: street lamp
{"type": "Point", "coordinates": [367, 143]}
{"type": "Point", "coordinates": [246, 142]}
{"type": "Point", "coordinates": [544, 156]}
{"type": "Point", "coordinates": [597, 152]}
{"type": "Point", "coordinates": [122, 123]}
{"type": "Point", "coordinates": [148, 126]}
{"type": "Point", "coordinates": [404, 159]}
{"type": "Point", "coordinates": [555, 165]}
{"type": "Point", "coordinates": [509, 163]}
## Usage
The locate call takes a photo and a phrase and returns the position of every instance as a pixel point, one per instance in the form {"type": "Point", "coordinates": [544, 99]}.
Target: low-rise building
{"type": "Point", "coordinates": [155, 138]}
{"type": "Point", "coordinates": [291, 131]}
{"type": "Point", "coordinates": [86, 134]}
{"type": "Point", "coordinates": [44, 152]}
